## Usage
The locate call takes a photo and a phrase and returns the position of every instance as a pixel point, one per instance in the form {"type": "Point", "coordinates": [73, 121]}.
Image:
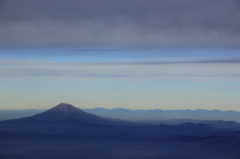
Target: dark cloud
{"type": "Point", "coordinates": [134, 23]}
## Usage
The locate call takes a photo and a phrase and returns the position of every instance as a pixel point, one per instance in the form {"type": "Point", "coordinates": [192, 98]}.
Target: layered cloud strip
{"type": "Point", "coordinates": [117, 66]}
{"type": "Point", "coordinates": [134, 23]}
{"type": "Point", "coordinates": [118, 71]}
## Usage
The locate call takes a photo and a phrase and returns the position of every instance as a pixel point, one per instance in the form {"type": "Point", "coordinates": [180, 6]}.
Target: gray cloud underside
{"type": "Point", "coordinates": [132, 23]}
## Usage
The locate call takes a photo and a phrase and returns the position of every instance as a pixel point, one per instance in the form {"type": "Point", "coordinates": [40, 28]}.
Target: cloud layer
{"type": "Point", "coordinates": [119, 71]}
{"type": "Point", "coordinates": [135, 23]}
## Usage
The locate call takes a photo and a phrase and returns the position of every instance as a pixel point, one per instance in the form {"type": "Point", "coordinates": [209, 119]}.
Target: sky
{"type": "Point", "coordinates": [134, 54]}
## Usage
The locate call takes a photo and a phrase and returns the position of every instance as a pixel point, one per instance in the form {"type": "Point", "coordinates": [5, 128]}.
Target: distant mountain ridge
{"type": "Point", "coordinates": [158, 114]}
{"type": "Point", "coordinates": [126, 114]}
{"type": "Point", "coordinates": [15, 114]}
{"type": "Point", "coordinates": [65, 113]}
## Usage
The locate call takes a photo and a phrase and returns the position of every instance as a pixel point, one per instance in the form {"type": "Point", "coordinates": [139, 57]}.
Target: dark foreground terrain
{"type": "Point", "coordinates": [64, 132]}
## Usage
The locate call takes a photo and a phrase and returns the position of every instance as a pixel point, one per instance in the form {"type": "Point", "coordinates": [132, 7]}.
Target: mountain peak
{"type": "Point", "coordinates": [65, 112]}
{"type": "Point", "coordinates": [65, 107]}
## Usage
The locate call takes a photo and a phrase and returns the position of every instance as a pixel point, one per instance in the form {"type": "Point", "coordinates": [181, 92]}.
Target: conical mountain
{"type": "Point", "coordinates": [63, 113]}
{"type": "Point", "coordinates": [65, 107]}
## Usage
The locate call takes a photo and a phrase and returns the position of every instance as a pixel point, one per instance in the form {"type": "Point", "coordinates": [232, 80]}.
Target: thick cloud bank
{"type": "Point", "coordinates": [132, 23]}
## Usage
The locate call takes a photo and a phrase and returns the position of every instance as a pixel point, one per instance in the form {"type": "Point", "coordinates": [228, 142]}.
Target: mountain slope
{"type": "Point", "coordinates": [65, 112]}
{"type": "Point", "coordinates": [62, 113]}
